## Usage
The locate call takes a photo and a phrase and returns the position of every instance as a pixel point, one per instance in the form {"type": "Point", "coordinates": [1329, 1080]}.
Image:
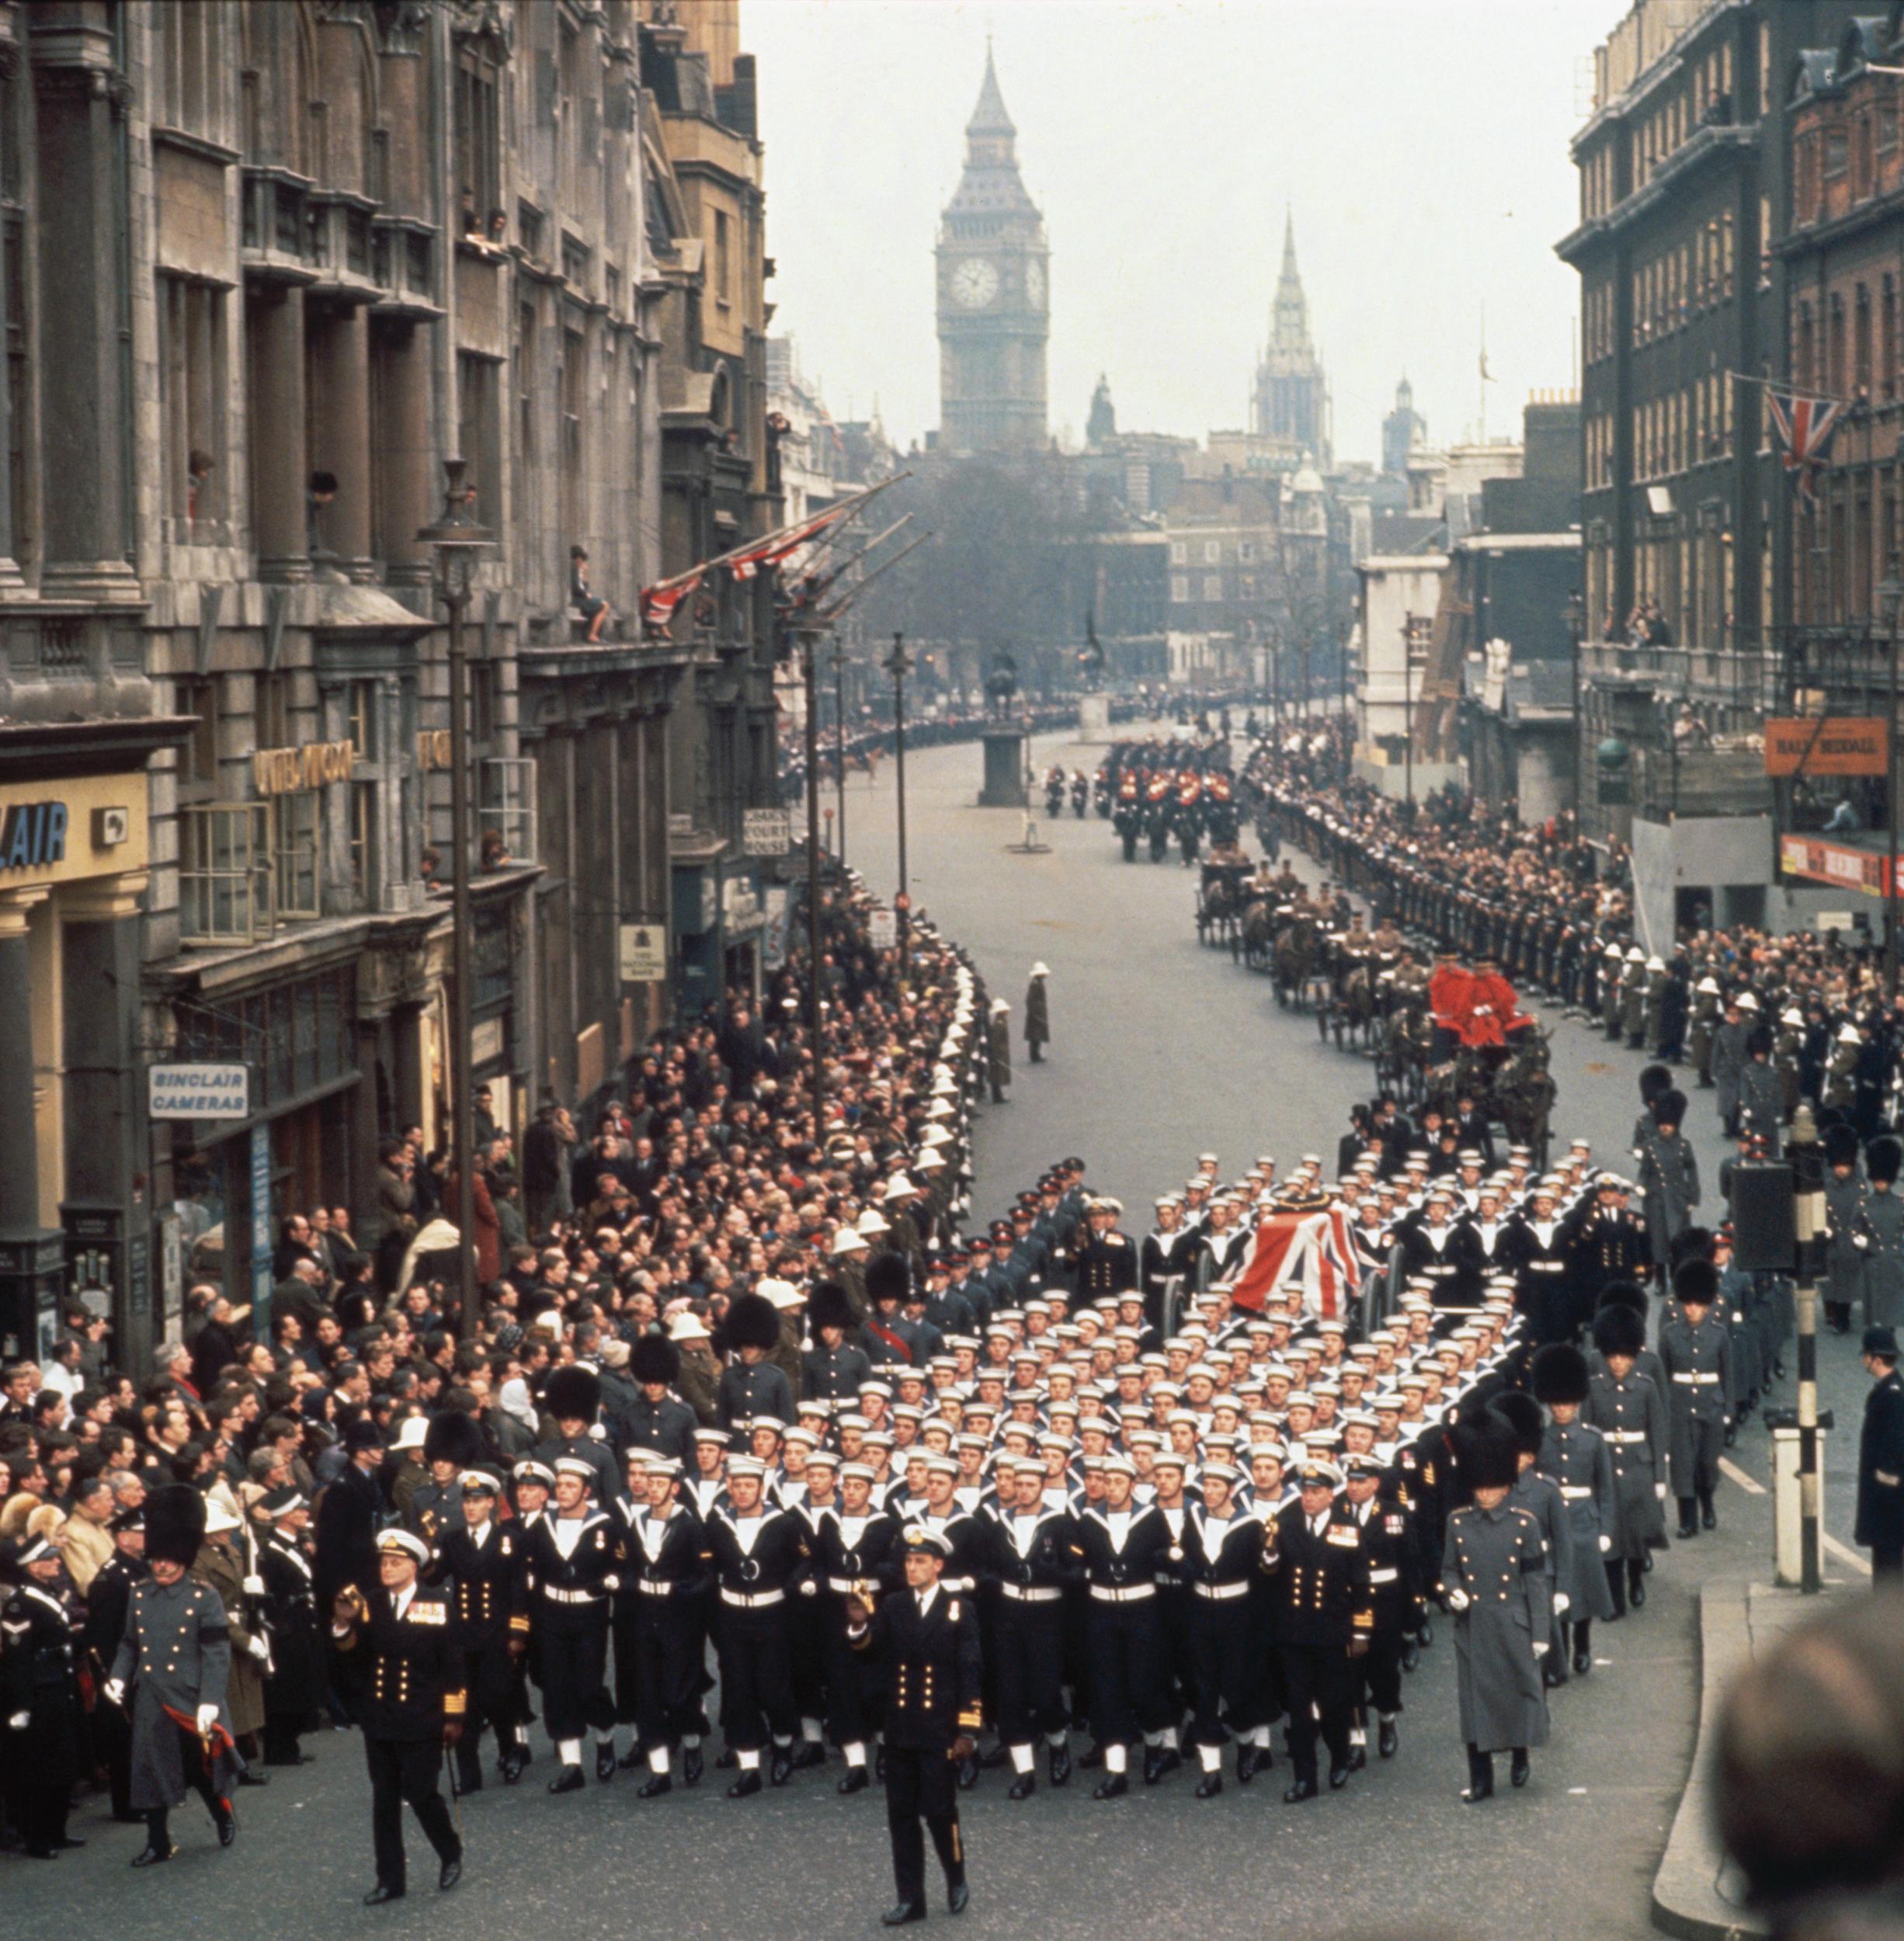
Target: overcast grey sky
{"type": "Point", "coordinates": [1422, 144]}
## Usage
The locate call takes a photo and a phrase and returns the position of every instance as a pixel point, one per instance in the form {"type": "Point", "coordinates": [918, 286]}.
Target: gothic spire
{"type": "Point", "coordinates": [989, 117]}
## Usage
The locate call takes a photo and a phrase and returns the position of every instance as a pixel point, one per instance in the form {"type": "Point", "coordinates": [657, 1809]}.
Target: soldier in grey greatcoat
{"type": "Point", "coordinates": [1539, 1495]}
{"type": "Point", "coordinates": [1611, 974]}
{"type": "Point", "coordinates": [1879, 1236]}
{"type": "Point", "coordinates": [1668, 1174]}
{"type": "Point", "coordinates": [1628, 1409]}
{"type": "Point", "coordinates": [1845, 1197]}
{"type": "Point", "coordinates": [1574, 1454]}
{"type": "Point", "coordinates": [999, 1049]}
{"type": "Point", "coordinates": [1037, 1014]}
{"type": "Point", "coordinates": [1696, 1349]}
{"type": "Point", "coordinates": [1761, 1091]}
{"type": "Point", "coordinates": [173, 1659]}
{"type": "Point", "coordinates": [1729, 1059]}
{"type": "Point", "coordinates": [1494, 1579]}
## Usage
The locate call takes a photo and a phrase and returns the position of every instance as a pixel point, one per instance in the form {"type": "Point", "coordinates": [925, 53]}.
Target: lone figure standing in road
{"type": "Point", "coordinates": [925, 1641]}
{"type": "Point", "coordinates": [1881, 1459]}
{"type": "Point", "coordinates": [1037, 1014]}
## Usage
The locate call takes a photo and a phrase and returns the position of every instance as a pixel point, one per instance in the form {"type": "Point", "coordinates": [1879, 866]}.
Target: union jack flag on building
{"type": "Point", "coordinates": [1805, 427]}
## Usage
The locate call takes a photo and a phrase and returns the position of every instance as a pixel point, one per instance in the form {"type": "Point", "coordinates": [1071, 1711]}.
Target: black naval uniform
{"type": "Point", "coordinates": [668, 1553]}
{"type": "Point", "coordinates": [1029, 1557]}
{"type": "Point", "coordinates": [1324, 1604]}
{"type": "Point", "coordinates": [927, 1644]}
{"type": "Point", "coordinates": [758, 1562]}
{"type": "Point", "coordinates": [491, 1597]}
{"type": "Point", "coordinates": [849, 1551]}
{"type": "Point", "coordinates": [400, 1659]}
{"type": "Point", "coordinates": [571, 1618]}
{"type": "Point", "coordinates": [294, 1685]}
{"type": "Point", "coordinates": [1123, 1639]}
{"type": "Point", "coordinates": [1229, 1671]}
{"type": "Point", "coordinates": [40, 1718]}
{"type": "Point", "coordinates": [1394, 1553]}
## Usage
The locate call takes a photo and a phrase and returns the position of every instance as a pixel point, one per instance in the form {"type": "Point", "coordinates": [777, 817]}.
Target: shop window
{"type": "Point", "coordinates": [224, 872]}
{"type": "Point", "coordinates": [506, 814]}
{"type": "Point", "coordinates": [294, 853]}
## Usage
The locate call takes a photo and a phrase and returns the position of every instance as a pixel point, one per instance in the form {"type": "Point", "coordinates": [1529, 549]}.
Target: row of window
{"type": "Point", "coordinates": [1212, 551]}
{"type": "Point", "coordinates": [1838, 160]}
{"type": "Point", "coordinates": [1856, 354]}
{"type": "Point", "coordinates": [1209, 588]}
{"type": "Point", "coordinates": [1678, 284]}
{"type": "Point", "coordinates": [1680, 430]}
{"type": "Point", "coordinates": [1705, 98]}
{"type": "Point", "coordinates": [1693, 580]}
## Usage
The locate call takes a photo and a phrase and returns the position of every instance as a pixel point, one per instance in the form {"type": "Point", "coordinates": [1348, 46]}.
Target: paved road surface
{"type": "Point", "coordinates": [1162, 1050]}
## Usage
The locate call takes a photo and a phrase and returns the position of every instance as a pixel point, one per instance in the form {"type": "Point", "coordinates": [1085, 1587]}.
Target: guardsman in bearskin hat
{"type": "Point", "coordinates": [1845, 1196]}
{"type": "Point", "coordinates": [171, 1669]}
{"type": "Point", "coordinates": [1881, 1228]}
{"type": "Point", "coordinates": [1574, 1454]}
{"type": "Point", "coordinates": [1696, 1351]}
{"type": "Point", "coordinates": [1494, 1579]}
{"type": "Point", "coordinates": [657, 1418]}
{"type": "Point", "coordinates": [750, 1384]}
{"type": "Point", "coordinates": [1626, 1406]}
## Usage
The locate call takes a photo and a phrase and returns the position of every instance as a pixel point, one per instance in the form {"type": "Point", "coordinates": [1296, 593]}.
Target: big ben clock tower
{"type": "Point", "coordinates": [994, 304]}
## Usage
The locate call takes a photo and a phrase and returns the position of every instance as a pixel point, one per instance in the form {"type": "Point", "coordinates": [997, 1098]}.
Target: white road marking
{"type": "Point", "coordinates": [1730, 1468]}
{"type": "Point", "coordinates": [1842, 1551]}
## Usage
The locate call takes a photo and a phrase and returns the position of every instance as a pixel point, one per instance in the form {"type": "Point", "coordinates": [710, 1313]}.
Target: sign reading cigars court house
{"type": "Point", "coordinates": [198, 1091]}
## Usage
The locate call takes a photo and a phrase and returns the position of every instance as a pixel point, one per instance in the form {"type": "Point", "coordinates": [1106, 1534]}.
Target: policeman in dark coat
{"type": "Point", "coordinates": [926, 1640]}
{"type": "Point", "coordinates": [40, 1718]}
{"type": "Point", "coordinates": [395, 1646]}
{"type": "Point", "coordinates": [1881, 1459]}
{"type": "Point", "coordinates": [350, 1510]}
{"type": "Point", "coordinates": [172, 1662]}
{"type": "Point", "coordinates": [294, 1682]}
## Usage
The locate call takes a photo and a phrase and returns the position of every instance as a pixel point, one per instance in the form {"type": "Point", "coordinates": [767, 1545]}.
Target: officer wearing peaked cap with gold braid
{"type": "Point", "coordinates": [926, 1640]}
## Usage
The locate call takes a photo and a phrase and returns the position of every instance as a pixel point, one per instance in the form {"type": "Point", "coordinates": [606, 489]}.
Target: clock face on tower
{"type": "Point", "coordinates": [974, 283]}
{"type": "Point", "coordinates": [1034, 283]}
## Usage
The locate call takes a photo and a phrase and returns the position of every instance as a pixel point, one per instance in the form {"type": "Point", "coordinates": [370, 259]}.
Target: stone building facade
{"type": "Point", "coordinates": [262, 268]}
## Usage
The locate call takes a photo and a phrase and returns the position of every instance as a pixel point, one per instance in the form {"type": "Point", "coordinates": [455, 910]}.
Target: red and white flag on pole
{"type": "Point", "coordinates": [776, 547]}
{"type": "Point", "coordinates": [1804, 428]}
{"type": "Point", "coordinates": [660, 602]}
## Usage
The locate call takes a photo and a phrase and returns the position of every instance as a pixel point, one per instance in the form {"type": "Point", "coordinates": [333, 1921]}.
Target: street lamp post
{"type": "Point", "coordinates": [1576, 620]}
{"type": "Point", "coordinates": [839, 740]}
{"type": "Point", "coordinates": [1891, 606]}
{"type": "Point", "coordinates": [897, 665]}
{"type": "Point", "coordinates": [458, 540]}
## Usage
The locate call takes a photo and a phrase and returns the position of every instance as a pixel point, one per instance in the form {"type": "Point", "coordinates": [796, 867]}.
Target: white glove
{"type": "Point", "coordinates": [20, 1721]}
{"type": "Point", "coordinates": [1605, 1544]}
{"type": "Point", "coordinates": [115, 1691]}
{"type": "Point", "coordinates": [1541, 1650]}
{"type": "Point", "coordinates": [1659, 1490]}
{"type": "Point", "coordinates": [1861, 1242]}
{"type": "Point", "coordinates": [258, 1649]}
{"type": "Point", "coordinates": [809, 1589]}
{"type": "Point", "coordinates": [254, 1587]}
{"type": "Point", "coordinates": [611, 1583]}
{"type": "Point", "coordinates": [1562, 1603]}
{"type": "Point", "coordinates": [1458, 1600]}
{"type": "Point", "coordinates": [207, 1717]}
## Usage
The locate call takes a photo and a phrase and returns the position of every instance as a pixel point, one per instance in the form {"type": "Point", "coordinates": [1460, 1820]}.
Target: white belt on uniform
{"type": "Point", "coordinates": [1030, 1593]}
{"type": "Point", "coordinates": [760, 1601]}
{"type": "Point", "coordinates": [1221, 1593]}
{"type": "Point", "coordinates": [1623, 1435]}
{"type": "Point", "coordinates": [1387, 1575]}
{"type": "Point", "coordinates": [1574, 1492]}
{"type": "Point", "coordinates": [656, 1587]}
{"type": "Point", "coordinates": [1546, 1267]}
{"type": "Point", "coordinates": [1131, 1594]}
{"type": "Point", "coordinates": [1699, 1381]}
{"type": "Point", "coordinates": [846, 1586]}
{"type": "Point", "coordinates": [557, 1595]}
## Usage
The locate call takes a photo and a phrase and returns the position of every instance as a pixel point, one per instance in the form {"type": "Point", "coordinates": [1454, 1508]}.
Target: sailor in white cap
{"type": "Point", "coordinates": [575, 1558]}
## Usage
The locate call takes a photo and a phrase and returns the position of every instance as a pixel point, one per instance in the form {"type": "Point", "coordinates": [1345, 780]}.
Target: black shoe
{"type": "Point", "coordinates": [378, 1895]}
{"type": "Point", "coordinates": [227, 1823]}
{"type": "Point", "coordinates": [1480, 1781]}
{"type": "Point", "coordinates": [693, 1765]}
{"type": "Point", "coordinates": [1425, 1633]}
{"type": "Point", "coordinates": [1411, 1655]}
{"type": "Point", "coordinates": [1172, 1762]}
{"type": "Point", "coordinates": [1302, 1789]}
{"type": "Point", "coordinates": [781, 1769]}
{"type": "Point", "coordinates": [604, 1760]}
{"type": "Point", "coordinates": [1553, 1671]}
{"type": "Point", "coordinates": [1338, 1777]}
{"type": "Point", "coordinates": [1023, 1787]}
{"type": "Point", "coordinates": [569, 1780]}
{"type": "Point", "coordinates": [810, 1754]}
{"type": "Point", "coordinates": [1210, 1785]}
{"type": "Point", "coordinates": [1636, 1592]}
{"type": "Point", "coordinates": [1518, 1772]}
{"type": "Point", "coordinates": [1708, 1518]}
{"type": "Point", "coordinates": [653, 1787]}
{"type": "Point", "coordinates": [957, 1896]}
{"type": "Point", "coordinates": [252, 1776]}
{"type": "Point", "coordinates": [1249, 1758]}
{"type": "Point", "coordinates": [1057, 1763]}
{"type": "Point", "coordinates": [635, 1756]}
{"type": "Point", "coordinates": [450, 1873]}
{"type": "Point", "coordinates": [43, 1853]}
{"type": "Point", "coordinates": [746, 1785]}
{"type": "Point", "coordinates": [1113, 1785]}
{"type": "Point", "coordinates": [1387, 1739]}
{"type": "Point", "coordinates": [1688, 1530]}
{"type": "Point", "coordinates": [1358, 1758]}
{"type": "Point", "coordinates": [729, 1758]}
{"type": "Point", "coordinates": [1583, 1661]}
{"type": "Point", "coordinates": [905, 1913]}
{"type": "Point", "coordinates": [513, 1761]}
{"type": "Point", "coordinates": [857, 1780]}
{"type": "Point", "coordinates": [968, 1773]}
{"type": "Point", "coordinates": [155, 1856]}
{"type": "Point", "coordinates": [1091, 1757]}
